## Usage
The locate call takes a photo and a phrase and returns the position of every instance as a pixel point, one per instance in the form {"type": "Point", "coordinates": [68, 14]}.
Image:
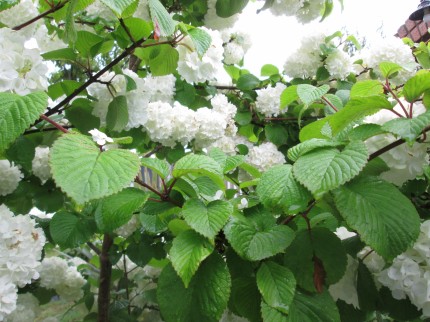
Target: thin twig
{"type": "Point", "coordinates": [58, 126]}
{"type": "Point", "coordinates": [329, 103]}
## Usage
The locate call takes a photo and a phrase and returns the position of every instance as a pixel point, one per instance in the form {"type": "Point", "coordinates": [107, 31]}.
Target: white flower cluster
{"type": "Point", "coordinates": [269, 100]}
{"type": "Point", "coordinates": [304, 10]}
{"type": "Point", "coordinates": [195, 69]}
{"type": "Point", "coordinates": [213, 21]}
{"type": "Point", "coordinates": [20, 251]}
{"type": "Point", "coordinates": [265, 156]}
{"type": "Point", "coordinates": [405, 161]}
{"type": "Point", "coordinates": [27, 309]}
{"type": "Point", "coordinates": [305, 61]}
{"type": "Point", "coordinates": [18, 14]}
{"type": "Point", "coordinates": [236, 45]}
{"type": "Point", "coordinates": [61, 275]}
{"type": "Point", "coordinates": [409, 275]}
{"type": "Point", "coordinates": [40, 164]}
{"type": "Point", "coordinates": [22, 70]}
{"type": "Point", "coordinates": [390, 49]}
{"type": "Point", "coordinates": [129, 228]}
{"type": "Point", "coordinates": [10, 176]}
{"type": "Point", "coordinates": [169, 124]}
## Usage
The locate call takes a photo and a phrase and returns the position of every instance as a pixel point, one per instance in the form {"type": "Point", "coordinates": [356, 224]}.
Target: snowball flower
{"type": "Point", "coordinates": [40, 165]}
{"type": "Point", "coordinates": [265, 156]}
{"type": "Point", "coordinates": [269, 100]}
{"type": "Point", "coordinates": [10, 176]}
{"type": "Point", "coordinates": [18, 14]}
{"type": "Point", "coordinates": [213, 21]}
{"type": "Point", "coordinates": [339, 64]}
{"type": "Point", "coordinates": [211, 126]}
{"type": "Point", "coordinates": [8, 297]}
{"type": "Point", "coordinates": [304, 10]}
{"type": "Point", "coordinates": [27, 309]}
{"type": "Point", "coordinates": [100, 137]}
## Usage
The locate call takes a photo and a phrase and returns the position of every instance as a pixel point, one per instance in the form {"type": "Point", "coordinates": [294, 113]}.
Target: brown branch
{"type": "Point", "coordinates": [386, 149]}
{"type": "Point", "coordinates": [329, 103]}
{"type": "Point", "coordinates": [105, 280]}
{"type": "Point", "coordinates": [145, 185]}
{"type": "Point", "coordinates": [42, 15]}
{"type": "Point", "coordinates": [58, 126]}
{"type": "Point", "coordinates": [46, 129]}
{"type": "Point", "coordinates": [94, 248]}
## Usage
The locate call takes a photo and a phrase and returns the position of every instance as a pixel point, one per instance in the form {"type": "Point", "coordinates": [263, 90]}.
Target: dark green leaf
{"type": "Point", "coordinates": [227, 8]}
{"type": "Point", "coordinates": [117, 115]}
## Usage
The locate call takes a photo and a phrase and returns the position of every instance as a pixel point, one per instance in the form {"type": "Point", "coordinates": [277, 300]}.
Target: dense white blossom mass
{"type": "Point", "coordinates": [40, 165]}
{"type": "Point", "coordinates": [269, 100]}
{"type": "Point", "coordinates": [10, 176]}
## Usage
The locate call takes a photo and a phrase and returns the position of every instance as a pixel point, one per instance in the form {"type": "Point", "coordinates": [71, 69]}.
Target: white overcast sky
{"type": "Point", "coordinates": [275, 37]}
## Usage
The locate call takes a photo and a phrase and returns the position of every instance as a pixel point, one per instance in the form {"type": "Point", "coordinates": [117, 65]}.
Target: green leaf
{"type": "Point", "coordinates": [205, 299]}
{"type": "Point", "coordinates": [21, 152]}
{"type": "Point", "coordinates": [70, 34]}
{"type": "Point", "coordinates": [85, 41]}
{"type": "Point", "coordinates": [66, 87]}
{"type": "Point", "coordinates": [309, 94]}
{"type": "Point", "coordinates": [276, 133]}
{"type": "Point", "coordinates": [152, 224]}
{"type": "Point", "coordinates": [84, 173]}
{"type": "Point", "coordinates": [389, 69]}
{"type": "Point", "coordinates": [117, 210]}
{"type": "Point", "coordinates": [365, 131]}
{"type": "Point", "coordinates": [207, 219]}
{"type": "Point", "coordinates": [288, 96]}
{"type": "Point", "coordinates": [227, 8]}
{"type": "Point", "coordinates": [162, 59]}
{"type": "Point", "coordinates": [142, 251]}
{"type": "Point", "coordinates": [366, 289]}
{"type": "Point", "coordinates": [334, 100]}
{"type": "Point", "coordinates": [233, 162]}
{"type": "Point", "coordinates": [322, 244]}
{"type": "Point", "coordinates": [17, 113]}
{"type": "Point", "coordinates": [201, 40]}
{"type": "Point", "coordinates": [328, 8]}
{"type": "Point", "coordinates": [367, 88]}
{"type": "Point", "coordinates": [277, 285]}
{"type": "Point", "coordinates": [416, 86]}
{"type": "Point", "coordinates": [79, 113]}
{"type": "Point", "coordinates": [269, 70]}
{"type": "Point", "coordinates": [354, 110]}
{"type": "Point", "coordinates": [60, 54]}
{"type": "Point", "coordinates": [199, 165]}
{"type": "Point", "coordinates": [138, 28]}
{"type": "Point", "coordinates": [278, 189]}
{"type": "Point", "coordinates": [161, 167]}
{"type": "Point", "coordinates": [188, 250]}
{"type": "Point", "coordinates": [161, 18]}
{"type": "Point", "coordinates": [247, 82]}
{"type": "Point", "coordinates": [69, 230]}
{"type": "Point", "coordinates": [117, 115]}
{"type": "Point", "coordinates": [408, 129]}
{"type": "Point", "coordinates": [118, 6]}
{"type": "Point", "coordinates": [7, 4]}
{"type": "Point", "coordinates": [324, 169]}
{"type": "Point", "coordinates": [300, 149]}
{"type": "Point", "coordinates": [386, 220]}
{"type": "Point", "coordinates": [313, 308]}
{"type": "Point", "coordinates": [268, 313]}
{"type": "Point", "coordinates": [245, 298]}
{"type": "Point", "coordinates": [256, 239]}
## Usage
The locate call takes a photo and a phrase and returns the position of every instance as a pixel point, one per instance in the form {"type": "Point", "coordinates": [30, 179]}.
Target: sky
{"type": "Point", "coordinates": [275, 37]}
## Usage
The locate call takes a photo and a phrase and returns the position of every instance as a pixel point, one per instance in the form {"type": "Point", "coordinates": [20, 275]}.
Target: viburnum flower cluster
{"type": "Point", "coordinates": [304, 10]}
{"type": "Point", "coordinates": [40, 165]}
{"type": "Point", "coordinates": [27, 309]}
{"type": "Point", "coordinates": [265, 156]}
{"type": "Point", "coordinates": [269, 100]}
{"type": "Point", "coordinates": [20, 251]}
{"type": "Point", "coordinates": [236, 45]}
{"type": "Point", "coordinates": [406, 161]}
{"type": "Point", "coordinates": [62, 276]}
{"type": "Point", "coordinates": [213, 21]}
{"type": "Point", "coordinates": [10, 176]}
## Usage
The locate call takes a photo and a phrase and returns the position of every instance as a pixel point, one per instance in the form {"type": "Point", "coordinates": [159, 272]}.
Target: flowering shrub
{"type": "Point", "coordinates": [135, 186]}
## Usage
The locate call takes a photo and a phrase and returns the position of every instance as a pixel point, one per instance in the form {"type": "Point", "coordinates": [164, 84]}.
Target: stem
{"type": "Point", "coordinates": [155, 150]}
{"type": "Point", "coordinates": [388, 88]}
{"type": "Point", "coordinates": [94, 248]}
{"type": "Point", "coordinates": [127, 292]}
{"type": "Point", "coordinates": [58, 126]}
{"type": "Point", "coordinates": [42, 15]}
{"type": "Point", "coordinates": [105, 280]}
{"type": "Point", "coordinates": [128, 51]}
{"type": "Point", "coordinates": [329, 103]}
{"type": "Point", "coordinates": [166, 191]}
{"type": "Point", "coordinates": [121, 21]}
{"type": "Point", "coordinates": [171, 186]}
{"type": "Point", "coordinates": [143, 184]}
{"type": "Point", "coordinates": [47, 129]}
{"type": "Point", "coordinates": [386, 149]}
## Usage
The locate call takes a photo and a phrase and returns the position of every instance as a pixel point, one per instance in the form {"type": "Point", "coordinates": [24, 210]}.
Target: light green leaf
{"type": "Point", "coordinates": [354, 110]}
{"type": "Point", "coordinates": [313, 308]}
{"type": "Point", "coordinates": [7, 4]}
{"type": "Point", "coordinates": [162, 59]}
{"type": "Point", "coordinates": [416, 86]}
{"type": "Point", "coordinates": [367, 88]}
{"type": "Point", "coordinates": [117, 210]}
{"type": "Point", "coordinates": [207, 220]}
{"type": "Point", "coordinates": [60, 54]}
{"type": "Point", "coordinates": [334, 100]}
{"type": "Point", "coordinates": [324, 169]}
{"type": "Point", "coordinates": [365, 131]}
{"type": "Point", "coordinates": [389, 69]}
{"type": "Point", "coordinates": [188, 250]}
{"type": "Point", "coordinates": [117, 115]}
{"type": "Point", "coordinates": [17, 113]}
{"type": "Point", "coordinates": [309, 94]}
{"type": "Point", "coordinates": [269, 70]}
{"type": "Point", "coordinates": [227, 8]}
{"type": "Point", "coordinates": [199, 165]}
{"type": "Point", "coordinates": [84, 173]}
{"type": "Point", "coordinates": [300, 149]}
{"type": "Point", "coordinates": [320, 243]}
{"type": "Point", "coordinates": [256, 239]}
{"type": "Point", "coordinates": [118, 6]}
{"type": "Point", "coordinates": [85, 41]}
{"type": "Point", "coordinates": [269, 314]}
{"type": "Point", "coordinates": [161, 167]}
{"type": "Point", "coordinates": [288, 96]}
{"type": "Point", "coordinates": [205, 299]}
{"type": "Point", "coordinates": [386, 220]}
{"type": "Point", "coordinates": [233, 162]}
{"type": "Point", "coordinates": [406, 128]}
{"type": "Point", "coordinates": [69, 230]}
{"type": "Point", "coordinates": [201, 40]}
{"type": "Point", "coordinates": [161, 18]}
{"type": "Point", "coordinates": [279, 190]}
{"type": "Point", "coordinates": [247, 82]}
{"type": "Point", "coordinates": [277, 285]}
{"type": "Point", "coordinates": [70, 34]}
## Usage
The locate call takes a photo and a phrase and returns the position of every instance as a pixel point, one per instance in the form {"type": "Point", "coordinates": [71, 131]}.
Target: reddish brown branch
{"type": "Point", "coordinates": [58, 126]}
